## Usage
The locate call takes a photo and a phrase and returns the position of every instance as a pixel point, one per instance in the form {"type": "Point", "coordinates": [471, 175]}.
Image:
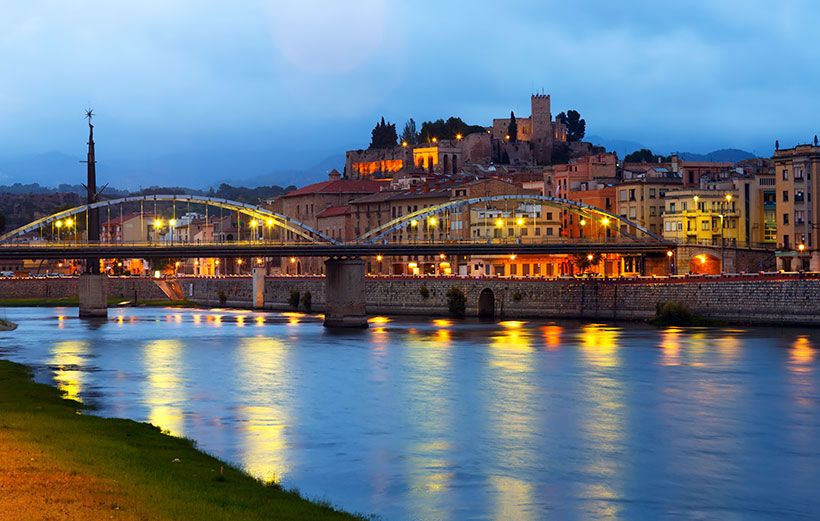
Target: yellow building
{"type": "Point", "coordinates": [797, 174]}
{"type": "Point", "coordinates": [707, 217]}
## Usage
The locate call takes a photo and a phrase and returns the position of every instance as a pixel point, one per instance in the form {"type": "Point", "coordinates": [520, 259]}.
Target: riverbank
{"type": "Point", "coordinates": [75, 301]}
{"type": "Point", "coordinates": [58, 462]}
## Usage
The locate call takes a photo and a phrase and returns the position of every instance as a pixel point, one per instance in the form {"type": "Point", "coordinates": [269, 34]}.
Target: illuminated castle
{"type": "Point", "coordinates": [536, 137]}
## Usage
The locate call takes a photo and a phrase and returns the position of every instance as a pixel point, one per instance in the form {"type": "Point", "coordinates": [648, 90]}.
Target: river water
{"type": "Point", "coordinates": [441, 420]}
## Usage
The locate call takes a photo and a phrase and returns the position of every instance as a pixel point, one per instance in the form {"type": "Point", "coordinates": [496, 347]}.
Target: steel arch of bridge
{"type": "Point", "coordinates": [380, 232]}
{"type": "Point", "coordinates": [255, 211]}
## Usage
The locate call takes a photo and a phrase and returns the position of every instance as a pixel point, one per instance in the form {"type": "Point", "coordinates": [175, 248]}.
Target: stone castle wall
{"type": "Point", "coordinates": [742, 300]}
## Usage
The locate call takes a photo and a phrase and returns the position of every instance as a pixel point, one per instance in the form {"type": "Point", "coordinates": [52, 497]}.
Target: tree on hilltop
{"type": "Point", "coordinates": [512, 128]}
{"type": "Point", "coordinates": [383, 135]}
{"type": "Point", "coordinates": [449, 129]}
{"type": "Point", "coordinates": [645, 155]}
{"type": "Point", "coordinates": [576, 126]}
{"type": "Point", "coordinates": [410, 135]}
{"type": "Point", "coordinates": [2, 222]}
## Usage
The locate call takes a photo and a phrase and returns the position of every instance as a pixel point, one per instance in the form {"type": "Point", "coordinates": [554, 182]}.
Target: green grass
{"type": "Point", "coordinates": [39, 302]}
{"type": "Point", "coordinates": [141, 459]}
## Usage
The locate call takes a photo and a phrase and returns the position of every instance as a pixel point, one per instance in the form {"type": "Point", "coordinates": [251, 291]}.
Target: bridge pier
{"type": "Point", "coordinates": [344, 293]}
{"type": "Point", "coordinates": [93, 299]}
{"type": "Point", "coordinates": [258, 275]}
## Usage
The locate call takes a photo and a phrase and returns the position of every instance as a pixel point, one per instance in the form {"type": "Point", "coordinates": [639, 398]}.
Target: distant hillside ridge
{"type": "Point", "coordinates": [724, 155]}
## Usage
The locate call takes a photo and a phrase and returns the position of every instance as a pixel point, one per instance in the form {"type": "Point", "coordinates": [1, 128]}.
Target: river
{"type": "Point", "coordinates": [435, 419]}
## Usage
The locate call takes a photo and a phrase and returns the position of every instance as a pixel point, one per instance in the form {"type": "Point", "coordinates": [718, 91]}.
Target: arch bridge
{"type": "Point", "coordinates": [589, 217]}
{"type": "Point", "coordinates": [262, 216]}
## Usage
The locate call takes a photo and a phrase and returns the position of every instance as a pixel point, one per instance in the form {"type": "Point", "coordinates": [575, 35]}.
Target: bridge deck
{"type": "Point", "coordinates": [266, 249]}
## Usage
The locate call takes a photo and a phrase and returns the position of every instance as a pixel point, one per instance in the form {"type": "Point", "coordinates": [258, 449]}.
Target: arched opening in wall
{"type": "Point", "coordinates": [486, 304]}
{"type": "Point", "coordinates": [704, 264]}
{"type": "Point", "coordinates": [299, 268]}
{"type": "Point", "coordinates": [445, 164]}
{"type": "Point", "coordinates": [455, 164]}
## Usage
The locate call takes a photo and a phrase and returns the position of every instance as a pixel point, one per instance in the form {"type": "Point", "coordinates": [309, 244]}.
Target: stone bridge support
{"type": "Point", "coordinates": [258, 288]}
{"type": "Point", "coordinates": [93, 297]}
{"type": "Point", "coordinates": [344, 293]}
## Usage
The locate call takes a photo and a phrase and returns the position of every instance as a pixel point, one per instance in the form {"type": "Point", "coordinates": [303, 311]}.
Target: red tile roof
{"type": "Point", "coordinates": [334, 211]}
{"type": "Point", "coordinates": [339, 186]}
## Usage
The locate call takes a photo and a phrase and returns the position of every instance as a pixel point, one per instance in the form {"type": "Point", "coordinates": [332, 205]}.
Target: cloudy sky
{"type": "Point", "coordinates": [207, 90]}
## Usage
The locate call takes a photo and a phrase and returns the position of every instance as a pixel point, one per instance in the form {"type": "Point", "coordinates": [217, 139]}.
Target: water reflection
{"type": "Point", "coordinates": [164, 390]}
{"type": "Point", "coordinates": [513, 391]}
{"type": "Point", "coordinates": [68, 359]}
{"type": "Point", "coordinates": [430, 470]}
{"type": "Point", "coordinates": [263, 377]}
{"type": "Point", "coordinates": [602, 421]}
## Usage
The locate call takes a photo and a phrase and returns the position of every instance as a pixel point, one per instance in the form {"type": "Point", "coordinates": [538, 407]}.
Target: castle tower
{"type": "Point", "coordinates": [542, 136]}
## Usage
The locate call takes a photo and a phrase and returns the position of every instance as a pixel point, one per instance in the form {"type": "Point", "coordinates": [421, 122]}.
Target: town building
{"type": "Point", "coordinates": [797, 181]}
{"type": "Point", "coordinates": [642, 200]}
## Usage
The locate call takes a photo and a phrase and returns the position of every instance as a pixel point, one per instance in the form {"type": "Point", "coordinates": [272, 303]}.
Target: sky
{"type": "Point", "coordinates": [203, 91]}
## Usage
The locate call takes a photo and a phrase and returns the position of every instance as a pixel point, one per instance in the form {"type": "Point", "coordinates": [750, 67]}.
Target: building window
{"type": "Point", "coordinates": [785, 174]}
{"type": "Point", "coordinates": [785, 196]}
{"type": "Point", "coordinates": [622, 195]}
{"type": "Point", "coordinates": [704, 225]}
{"type": "Point", "coordinates": [671, 207]}
{"type": "Point", "coordinates": [651, 193]}
{"type": "Point", "coordinates": [799, 217]}
{"type": "Point", "coordinates": [798, 196]}
{"type": "Point", "coordinates": [785, 218]}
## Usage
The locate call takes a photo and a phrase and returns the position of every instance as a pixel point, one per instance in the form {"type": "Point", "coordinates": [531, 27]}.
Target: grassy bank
{"type": "Point", "coordinates": [131, 470]}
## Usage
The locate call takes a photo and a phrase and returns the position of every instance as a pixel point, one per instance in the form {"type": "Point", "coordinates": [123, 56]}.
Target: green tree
{"type": "Point", "coordinates": [645, 155]}
{"type": "Point", "coordinates": [410, 135]}
{"type": "Point", "coordinates": [576, 126]}
{"type": "Point", "coordinates": [383, 135]}
{"type": "Point", "coordinates": [449, 129]}
{"type": "Point", "coordinates": [512, 128]}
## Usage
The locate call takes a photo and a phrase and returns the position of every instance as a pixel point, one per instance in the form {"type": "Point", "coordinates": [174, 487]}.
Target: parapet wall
{"type": "Point", "coordinates": [741, 300]}
{"type": "Point", "coordinates": [127, 288]}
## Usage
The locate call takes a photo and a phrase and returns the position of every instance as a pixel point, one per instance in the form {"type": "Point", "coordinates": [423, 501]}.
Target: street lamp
{"type": "Point", "coordinates": [723, 214]}
{"type": "Point", "coordinates": [670, 254]}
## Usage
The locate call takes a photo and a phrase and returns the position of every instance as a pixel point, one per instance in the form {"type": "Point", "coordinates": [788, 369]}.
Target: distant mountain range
{"type": "Point", "coordinates": [198, 171]}
{"type": "Point", "coordinates": [624, 147]}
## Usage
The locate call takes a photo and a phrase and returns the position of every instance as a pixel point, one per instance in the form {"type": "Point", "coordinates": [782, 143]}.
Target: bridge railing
{"type": "Point", "coordinates": [49, 244]}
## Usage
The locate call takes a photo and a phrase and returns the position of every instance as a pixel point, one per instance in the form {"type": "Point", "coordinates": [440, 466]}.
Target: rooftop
{"type": "Point", "coordinates": [339, 186]}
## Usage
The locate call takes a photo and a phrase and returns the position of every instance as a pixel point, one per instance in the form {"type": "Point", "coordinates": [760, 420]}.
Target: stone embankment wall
{"type": "Point", "coordinates": [127, 288]}
{"type": "Point", "coordinates": [760, 300]}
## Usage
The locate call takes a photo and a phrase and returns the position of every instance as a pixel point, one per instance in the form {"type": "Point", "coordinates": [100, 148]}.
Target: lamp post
{"type": "Point", "coordinates": [723, 214]}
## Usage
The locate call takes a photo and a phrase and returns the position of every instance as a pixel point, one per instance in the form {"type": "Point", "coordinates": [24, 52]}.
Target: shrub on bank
{"type": "Point", "coordinates": [307, 301]}
{"type": "Point", "coordinates": [672, 313]}
{"type": "Point", "coordinates": [456, 302]}
{"type": "Point", "coordinates": [293, 300]}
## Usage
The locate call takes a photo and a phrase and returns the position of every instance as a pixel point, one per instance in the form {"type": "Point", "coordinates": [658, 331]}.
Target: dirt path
{"type": "Point", "coordinates": [35, 486]}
